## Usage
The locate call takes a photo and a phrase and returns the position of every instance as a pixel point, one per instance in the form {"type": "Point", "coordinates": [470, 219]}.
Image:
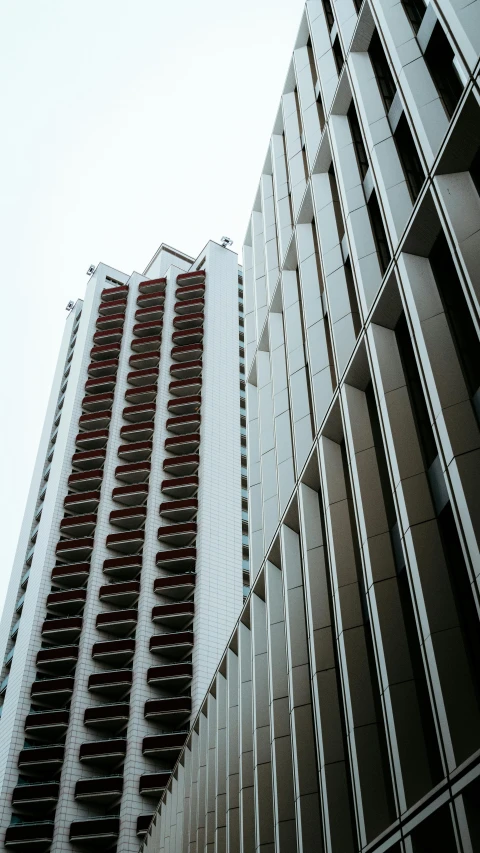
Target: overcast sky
{"type": "Point", "coordinates": [125, 123]}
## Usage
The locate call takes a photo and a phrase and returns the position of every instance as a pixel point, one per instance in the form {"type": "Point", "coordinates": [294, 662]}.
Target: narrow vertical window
{"type": "Point", "coordinates": [357, 137]}
{"type": "Point", "coordinates": [439, 57]}
{"type": "Point", "coordinates": [415, 10]}
{"type": "Point", "coordinates": [384, 76]}
{"type": "Point", "coordinates": [379, 232]}
{"type": "Point", "coordinates": [338, 54]}
{"type": "Point", "coordinates": [327, 8]}
{"type": "Point", "coordinates": [407, 151]}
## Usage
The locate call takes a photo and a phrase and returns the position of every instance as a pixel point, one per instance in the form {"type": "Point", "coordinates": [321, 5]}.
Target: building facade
{"type": "Point", "coordinates": [345, 712]}
{"type": "Point", "coordinates": [131, 560]}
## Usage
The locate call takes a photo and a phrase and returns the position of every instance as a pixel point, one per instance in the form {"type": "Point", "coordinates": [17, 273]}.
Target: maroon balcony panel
{"type": "Point", "coordinates": [161, 585]}
{"type": "Point", "coordinates": [116, 306]}
{"type": "Point", "coordinates": [152, 285]}
{"type": "Point", "coordinates": [116, 616]}
{"type": "Point", "coordinates": [185, 608]}
{"type": "Point", "coordinates": [118, 514]}
{"type": "Point", "coordinates": [69, 544]}
{"type": "Point", "coordinates": [145, 298]}
{"type": "Point", "coordinates": [145, 393]}
{"type": "Point", "coordinates": [113, 646]}
{"type": "Point", "coordinates": [190, 277]}
{"type": "Point", "coordinates": [150, 314]}
{"type": "Point", "coordinates": [80, 570]}
{"type": "Point", "coordinates": [90, 420]}
{"type": "Point", "coordinates": [118, 565]}
{"type": "Point", "coordinates": [177, 421]}
{"type": "Point", "coordinates": [83, 481]}
{"type": "Point", "coordinates": [153, 782]}
{"type": "Point", "coordinates": [192, 367]}
{"type": "Point", "coordinates": [171, 670]}
{"type": "Point", "coordinates": [143, 822]}
{"type": "Point", "coordinates": [84, 457]}
{"type": "Point", "coordinates": [100, 384]}
{"type": "Point", "coordinates": [47, 656]}
{"type": "Point", "coordinates": [185, 350]}
{"type": "Point", "coordinates": [130, 432]}
{"type": "Point", "coordinates": [146, 342]}
{"type": "Point", "coordinates": [177, 703]}
{"type": "Point", "coordinates": [99, 713]}
{"type": "Point", "coordinates": [123, 471]}
{"type": "Point", "coordinates": [177, 638]}
{"type": "Point", "coordinates": [37, 792]}
{"type": "Point", "coordinates": [187, 291]}
{"type": "Point", "coordinates": [181, 555]}
{"type": "Point", "coordinates": [180, 510]}
{"type": "Point", "coordinates": [96, 828]}
{"type": "Point", "coordinates": [111, 323]}
{"type": "Point", "coordinates": [177, 441]}
{"type": "Point", "coordinates": [37, 835]}
{"type": "Point", "coordinates": [104, 368]}
{"type": "Point", "coordinates": [127, 494]}
{"type": "Point", "coordinates": [92, 749]}
{"type": "Point", "coordinates": [164, 742]}
{"type": "Point", "coordinates": [95, 436]}
{"type": "Point", "coordinates": [118, 676]}
{"type": "Point", "coordinates": [179, 384]}
{"type": "Point", "coordinates": [189, 321]}
{"type": "Point", "coordinates": [73, 520]}
{"type": "Point", "coordinates": [82, 499]}
{"type": "Point", "coordinates": [58, 719]}
{"type": "Point", "coordinates": [194, 400]}
{"type": "Point", "coordinates": [135, 376]}
{"type": "Point", "coordinates": [41, 755]}
{"type": "Point", "coordinates": [95, 402]}
{"type": "Point", "coordinates": [52, 685]}
{"type": "Point", "coordinates": [192, 306]}
{"type": "Point", "coordinates": [148, 329]}
{"type": "Point", "coordinates": [144, 360]}
{"type": "Point", "coordinates": [107, 335]}
{"type": "Point", "coordinates": [104, 351]}
{"type": "Point", "coordinates": [110, 294]}
{"type": "Point", "coordinates": [134, 447]}
{"type": "Point", "coordinates": [175, 461]}
{"type": "Point", "coordinates": [143, 412]}
{"type": "Point", "coordinates": [187, 527]}
{"type": "Point", "coordinates": [70, 623]}
{"type": "Point", "coordinates": [119, 588]}
{"type": "Point", "coordinates": [79, 595]}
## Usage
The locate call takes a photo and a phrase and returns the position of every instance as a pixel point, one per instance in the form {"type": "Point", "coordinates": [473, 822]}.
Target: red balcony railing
{"type": "Point", "coordinates": [177, 560]}
{"type": "Point", "coordinates": [142, 394]}
{"type": "Point", "coordinates": [142, 431]}
{"type": "Point", "coordinates": [136, 414]}
{"type": "Point", "coordinates": [174, 615]}
{"type": "Point", "coordinates": [123, 567]}
{"type": "Point", "coordinates": [120, 594]}
{"type": "Point", "coordinates": [188, 443]}
{"type": "Point", "coordinates": [67, 602]}
{"type": "Point", "coordinates": [134, 472]}
{"type": "Point", "coordinates": [116, 683]}
{"type": "Point", "coordinates": [172, 676]}
{"type": "Point", "coordinates": [179, 487]}
{"type": "Point", "coordinates": [78, 525]}
{"type": "Point", "coordinates": [95, 420]}
{"type": "Point", "coordinates": [187, 337]}
{"type": "Point", "coordinates": [152, 286]}
{"type": "Point", "coordinates": [181, 534]}
{"type": "Point", "coordinates": [103, 368]}
{"type": "Point", "coordinates": [112, 717]}
{"type": "Point", "coordinates": [101, 831]}
{"type": "Point", "coordinates": [185, 405]}
{"type": "Point", "coordinates": [47, 725]}
{"type": "Point", "coordinates": [136, 451]}
{"type": "Point", "coordinates": [70, 576]}
{"type": "Point", "coordinates": [111, 294]}
{"type": "Point", "coordinates": [190, 292]}
{"type": "Point", "coordinates": [116, 306]}
{"type": "Point", "coordinates": [175, 711]}
{"type": "Point", "coordinates": [179, 587]}
{"type": "Point", "coordinates": [105, 351]}
{"type": "Point", "coordinates": [119, 622]}
{"type": "Point", "coordinates": [185, 387]}
{"type": "Point", "coordinates": [148, 329]}
{"type": "Point", "coordinates": [134, 495]}
{"type": "Point", "coordinates": [182, 510]}
{"type": "Point", "coordinates": [192, 277]}
{"type": "Point", "coordinates": [83, 503]}
{"type": "Point", "coordinates": [145, 360]}
{"type": "Point", "coordinates": [58, 661]}
{"type": "Point", "coordinates": [189, 321]}
{"type": "Point", "coordinates": [92, 440]}
{"type": "Point", "coordinates": [176, 645]}
{"type": "Point", "coordinates": [116, 653]}
{"type": "Point", "coordinates": [74, 550]}
{"type": "Point", "coordinates": [182, 466]}
{"type": "Point", "coordinates": [146, 343]}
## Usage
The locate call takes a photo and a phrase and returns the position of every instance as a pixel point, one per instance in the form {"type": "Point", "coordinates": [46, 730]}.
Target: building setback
{"type": "Point", "coordinates": [344, 715]}
{"type": "Point", "coordinates": [128, 576]}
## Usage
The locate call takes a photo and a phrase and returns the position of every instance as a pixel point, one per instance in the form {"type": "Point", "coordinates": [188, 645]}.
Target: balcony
{"type": "Point", "coordinates": [185, 354]}
{"type": "Point", "coordinates": [189, 321]}
{"type": "Point", "coordinates": [97, 402]}
{"type": "Point", "coordinates": [153, 314]}
{"type": "Point", "coordinates": [52, 692]}
{"type": "Point", "coordinates": [164, 746]}
{"type": "Point", "coordinates": [107, 717]}
{"type": "Point", "coordinates": [84, 503]}
{"type": "Point", "coordinates": [143, 822]}
{"type": "Point", "coordinates": [100, 369]}
{"type": "Point", "coordinates": [96, 832]}
{"type": "Point", "coordinates": [101, 790]}
{"type": "Point", "coordinates": [176, 645]}
{"type": "Point", "coordinates": [70, 577]}
{"type": "Point", "coordinates": [116, 306]}
{"type": "Point", "coordinates": [178, 534]}
{"type": "Point", "coordinates": [57, 661]}
{"type": "Point", "coordinates": [108, 754]}
{"type": "Point", "coordinates": [100, 384]}
{"type": "Point", "coordinates": [135, 495]}
{"type": "Point", "coordinates": [153, 784]}
{"type": "Point", "coordinates": [143, 394]}
{"type": "Point", "coordinates": [105, 351]}
{"type": "Point", "coordinates": [41, 760]}
{"type": "Point", "coordinates": [62, 632]}
{"type": "Point", "coordinates": [131, 518]}
{"type": "Point", "coordinates": [148, 329]}
{"type": "Point", "coordinates": [179, 616]}
{"type": "Point", "coordinates": [182, 466]}
{"type": "Point", "coordinates": [189, 292]}
{"type": "Point", "coordinates": [189, 306]}
{"type": "Point", "coordinates": [179, 587]}
{"type": "Point", "coordinates": [35, 797]}
{"type": "Point", "coordinates": [186, 369]}
{"type": "Point", "coordinates": [192, 277]}
{"type": "Point", "coordinates": [137, 451]}
{"type": "Point", "coordinates": [184, 424]}
{"type": "Point", "coordinates": [181, 487]}
{"type": "Point", "coordinates": [66, 603]}
{"type": "Point", "coordinates": [95, 420]}
{"type": "Point", "coordinates": [120, 594]}
{"type": "Point", "coordinates": [129, 542]}
{"type": "Point", "coordinates": [137, 432]}
{"type": "Point", "coordinates": [188, 443]}
{"type": "Point", "coordinates": [185, 338]}
{"type": "Point", "coordinates": [146, 377]}
{"type": "Point", "coordinates": [125, 568]}
{"type": "Point", "coordinates": [137, 414]}
{"type": "Point", "coordinates": [121, 623]}
{"type": "Point", "coordinates": [78, 525]}
{"type": "Point", "coordinates": [112, 294]}
{"type": "Point", "coordinates": [33, 836]}
{"type": "Point", "coordinates": [112, 322]}
{"type": "Point", "coordinates": [92, 440]}
{"type": "Point", "coordinates": [151, 300]}
{"type": "Point", "coordinates": [146, 343]}
{"type": "Point", "coordinates": [153, 286]}
{"type": "Point", "coordinates": [89, 460]}
{"type": "Point", "coordinates": [74, 550]}
{"type": "Point", "coordinates": [185, 387]}
{"type": "Point", "coordinates": [182, 510]}
{"type": "Point", "coordinates": [174, 677]}
{"type": "Point", "coordinates": [145, 360]}
{"type": "Point", "coordinates": [47, 726]}
{"type": "Point", "coordinates": [115, 684]}
{"type": "Point", "coordinates": [118, 653]}
{"type": "Point", "coordinates": [185, 405]}
{"type": "Point", "coordinates": [86, 481]}
{"type": "Point", "coordinates": [178, 560]}
{"type": "Point", "coordinates": [105, 334]}
{"type": "Point", "coordinates": [134, 472]}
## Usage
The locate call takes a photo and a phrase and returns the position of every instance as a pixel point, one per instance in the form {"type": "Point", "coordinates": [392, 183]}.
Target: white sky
{"type": "Point", "coordinates": [125, 123]}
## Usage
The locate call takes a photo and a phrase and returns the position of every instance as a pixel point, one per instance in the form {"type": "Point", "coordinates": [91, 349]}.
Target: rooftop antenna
{"type": "Point", "coordinates": [69, 305]}
{"type": "Point", "coordinates": [91, 269]}
{"type": "Point", "coordinates": [226, 242]}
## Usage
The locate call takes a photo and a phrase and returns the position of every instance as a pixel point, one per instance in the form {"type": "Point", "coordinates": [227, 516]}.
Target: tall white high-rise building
{"type": "Point", "coordinates": [128, 575]}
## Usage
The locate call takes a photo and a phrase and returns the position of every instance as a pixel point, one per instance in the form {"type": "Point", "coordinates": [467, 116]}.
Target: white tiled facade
{"type": "Point", "coordinates": [344, 715]}
{"type": "Point", "coordinates": [213, 602]}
